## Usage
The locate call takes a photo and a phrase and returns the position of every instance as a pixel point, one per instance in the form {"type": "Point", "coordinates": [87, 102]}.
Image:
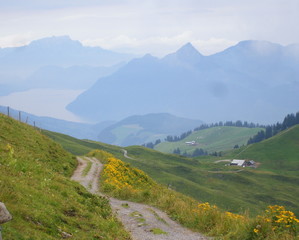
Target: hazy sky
{"type": "Point", "coordinates": [155, 26]}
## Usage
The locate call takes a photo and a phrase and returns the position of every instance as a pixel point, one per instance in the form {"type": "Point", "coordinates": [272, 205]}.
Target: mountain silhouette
{"type": "Point", "coordinates": [256, 81]}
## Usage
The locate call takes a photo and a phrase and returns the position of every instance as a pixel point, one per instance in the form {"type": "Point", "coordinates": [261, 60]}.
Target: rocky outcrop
{"type": "Point", "coordinates": [5, 216]}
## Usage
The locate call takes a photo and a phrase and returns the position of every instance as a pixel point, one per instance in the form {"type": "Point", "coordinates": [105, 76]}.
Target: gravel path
{"type": "Point", "coordinates": [142, 221]}
{"type": "Point", "coordinates": [126, 154]}
{"type": "Point", "coordinates": [225, 160]}
{"type": "Point", "coordinates": [236, 171]}
{"type": "Point", "coordinates": [90, 181]}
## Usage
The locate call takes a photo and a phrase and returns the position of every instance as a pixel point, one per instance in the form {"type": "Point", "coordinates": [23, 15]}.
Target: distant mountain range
{"type": "Point", "coordinates": [256, 81]}
{"type": "Point", "coordinates": [137, 130]}
{"type": "Point", "coordinates": [59, 51]}
{"type": "Point", "coordinates": [55, 62]}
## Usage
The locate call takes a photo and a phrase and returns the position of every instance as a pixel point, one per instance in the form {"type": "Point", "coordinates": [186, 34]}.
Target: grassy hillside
{"type": "Point", "coordinates": [211, 139]}
{"type": "Point", "coordinates": [216, 183]}
{"type": "Point", "coordinates": [279, 153]}
{"type": "Point", "coordinates": [121, 180]}
{"type": "Point", "coordinates": [35, 186]}
{"type": "Point", "coordinates": [81, 147]}
{"type": "Point", "coordinates": [204, 179]}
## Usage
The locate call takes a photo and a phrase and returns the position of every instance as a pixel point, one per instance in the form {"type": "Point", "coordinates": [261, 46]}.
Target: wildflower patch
{"type": "Point", "coordinates": [119, 175]}
{"type": "Point", "coordinates": [277, 221]}
{"type": "Point", "coordinates": [120, 178]}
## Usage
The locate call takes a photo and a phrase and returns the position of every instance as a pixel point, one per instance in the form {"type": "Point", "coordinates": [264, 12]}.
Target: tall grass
{"type": "Point", "coordinates": [87, 168]}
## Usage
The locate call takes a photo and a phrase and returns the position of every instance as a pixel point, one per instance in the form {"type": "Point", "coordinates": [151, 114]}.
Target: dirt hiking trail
{"type": "Point", "coordinates": [142, 221]}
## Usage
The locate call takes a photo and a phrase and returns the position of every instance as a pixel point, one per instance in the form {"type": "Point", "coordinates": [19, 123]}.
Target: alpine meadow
{"type": "Point", "coordinates": [149, 120]}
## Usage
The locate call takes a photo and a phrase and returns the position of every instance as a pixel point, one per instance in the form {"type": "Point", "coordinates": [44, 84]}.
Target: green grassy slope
{"type": "Point", "coordinates": [279, 153]}
{"type": "Point", "coordinates": [82, 147]}
{"type": "Point", "coordinates": [35, 186]}
{"type": "Point", "coordinates": [211, 139]}
{"type": "Point", "coordinates": [206, 180]}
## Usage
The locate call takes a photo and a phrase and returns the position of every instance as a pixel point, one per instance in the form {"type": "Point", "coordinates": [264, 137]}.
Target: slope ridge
{"type": "Point", "coordinates": [279, 153]}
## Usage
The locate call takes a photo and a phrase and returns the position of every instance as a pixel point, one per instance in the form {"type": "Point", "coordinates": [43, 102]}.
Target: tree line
{"type": "Point", "coordinates": [197, 152]}
{"type": "Point", "coordinates": [177, 138]}
{"type": "Point", "coordinates": [271, 130]}
{"type": "Point", "coordinates": [151, 144]}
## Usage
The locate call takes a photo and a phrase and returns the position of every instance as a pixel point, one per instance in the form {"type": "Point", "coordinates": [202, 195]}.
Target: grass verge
{"type": "Point", "coordinates": [87, 168]}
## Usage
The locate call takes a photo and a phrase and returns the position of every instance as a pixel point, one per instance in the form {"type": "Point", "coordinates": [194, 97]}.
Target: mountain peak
{"type": "Point", "coordinates": [187, 50]}
{"type": "Point", "coordinates": [259, 46]}
{"type": "Point", "coordinates": [54, 41]}
{"type": "Point", "coordinates": [187, 46]}
{"type": "Point", "coordinates": [186, 54]}
{"type": "Point", "coordinates": [147, 58]}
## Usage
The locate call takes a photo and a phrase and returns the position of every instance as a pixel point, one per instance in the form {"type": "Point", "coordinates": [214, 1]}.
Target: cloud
{"type": "Point", "coordinates": [15, 40]}
{"type": "Point", "coordinates": [54, 4]}
{"type": "Point", "coordinates": [151, 25]}
{"type": "Point", "coordinates": [160, 45]}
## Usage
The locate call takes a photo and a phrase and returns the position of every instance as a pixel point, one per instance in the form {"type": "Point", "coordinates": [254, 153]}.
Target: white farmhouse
{"type": "Point", "coordinates": [237, 162]}
{"type": "Point", "coordinates": [192, 143]}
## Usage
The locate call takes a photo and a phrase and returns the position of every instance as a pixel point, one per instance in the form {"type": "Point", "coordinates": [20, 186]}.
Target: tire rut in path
{"type": "Point", "coordinates": [142, 221]}
{"type": "Point", "coordinates": [90, 180]}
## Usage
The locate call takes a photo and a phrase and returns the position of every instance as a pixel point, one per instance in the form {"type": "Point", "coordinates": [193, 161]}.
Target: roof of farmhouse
{"type": "Point", "coordinates": [238, 161]}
